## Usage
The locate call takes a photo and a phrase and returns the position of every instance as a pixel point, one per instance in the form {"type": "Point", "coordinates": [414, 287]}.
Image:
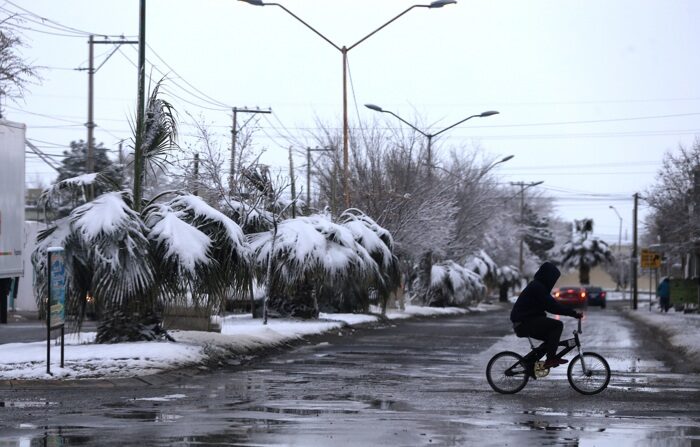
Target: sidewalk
{"type": "Point", "coordinates": [681, 330]}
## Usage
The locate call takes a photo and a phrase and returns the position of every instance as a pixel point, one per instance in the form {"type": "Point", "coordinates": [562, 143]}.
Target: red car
{"type": "Point", "coordinates": [574, 296]}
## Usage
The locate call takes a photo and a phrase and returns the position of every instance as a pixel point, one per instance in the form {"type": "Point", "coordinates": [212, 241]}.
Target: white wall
{"type": "Point", "coordinates": [25, 293]}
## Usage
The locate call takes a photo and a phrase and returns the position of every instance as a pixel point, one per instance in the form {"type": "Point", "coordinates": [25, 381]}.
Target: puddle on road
{"type": "Point", "coordinates": [145, 416]}
{"type": "Point", "coordinates": [20, 403]}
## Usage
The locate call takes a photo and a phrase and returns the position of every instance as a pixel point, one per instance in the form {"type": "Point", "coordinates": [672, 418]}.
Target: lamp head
{"type": "Point", "coordinates": [504, 159]}
{"type": "Point", "coordinates": [374, 107]}
{"type": "Point", "coordinates": [441, 3]}
{"type": "Point", "coordinates": [254, 2]}
{"type": "Point", "coordinates": [488, 113]}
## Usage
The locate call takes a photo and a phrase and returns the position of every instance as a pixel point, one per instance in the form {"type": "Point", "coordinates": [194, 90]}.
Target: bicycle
{"type": "Point", "coordinates": [508, 372]}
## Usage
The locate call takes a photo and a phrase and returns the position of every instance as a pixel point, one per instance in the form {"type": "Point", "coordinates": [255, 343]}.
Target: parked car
{"type": "Point", "coordinates": [596, 296]}
{"type": "Point", "coordinates": [575, 296]}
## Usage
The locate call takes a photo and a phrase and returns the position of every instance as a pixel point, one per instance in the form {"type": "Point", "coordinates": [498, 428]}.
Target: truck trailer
{"type": "Point", "coordinates": [12, 190]}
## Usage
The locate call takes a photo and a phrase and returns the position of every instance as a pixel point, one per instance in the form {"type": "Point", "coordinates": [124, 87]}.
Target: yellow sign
{"type": "Point", "coordinates": [650, 259]}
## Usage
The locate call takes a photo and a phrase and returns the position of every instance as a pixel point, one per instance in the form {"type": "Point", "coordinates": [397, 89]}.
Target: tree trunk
{"type": "Point", "coordinates": [503, 293]}
{"type": "Point", "coordinates": [585, 275]}
{"type": "Point", "coordinates": [424, 269]}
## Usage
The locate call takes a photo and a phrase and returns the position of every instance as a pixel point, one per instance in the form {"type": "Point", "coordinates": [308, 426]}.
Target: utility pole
{"type": "Point", "coordinates": [293, 184]}
{"type": "Point", "coordinates": [635, 290]}
{"type": "Point", "coordinates": [90, 162]}
{"type": "Point", "coordinates": [523, 186]}
{"type": "Point", "coordinates": [140, 112]}
{"type": "Point", "coordinates": [308, 169]}
{"type": "Point", "coordinates": [234, 137]}
{"type": "Point", "coordinates": [196, 174]}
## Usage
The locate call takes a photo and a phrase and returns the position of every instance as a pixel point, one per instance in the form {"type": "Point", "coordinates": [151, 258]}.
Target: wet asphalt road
{"type": "Point", "coordinates": [418, 382]}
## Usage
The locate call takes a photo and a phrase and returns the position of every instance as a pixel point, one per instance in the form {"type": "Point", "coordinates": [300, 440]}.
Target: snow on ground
{"type": "Point", "coordinates": [680, 329]}
{"type": "Point", "coordinates": [240, 335]}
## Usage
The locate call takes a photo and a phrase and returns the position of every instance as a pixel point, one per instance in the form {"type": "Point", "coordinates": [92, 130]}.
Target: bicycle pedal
{"type": "Point", "coordinates": [540, 370]}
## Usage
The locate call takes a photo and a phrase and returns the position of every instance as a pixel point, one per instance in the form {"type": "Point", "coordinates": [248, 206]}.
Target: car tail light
{"type": "Point", "coordinates": [583, 295]}
{"type": "Point", "coordinates": [556, 295]}
{"type": "Point", "coordinates": [602, 294]}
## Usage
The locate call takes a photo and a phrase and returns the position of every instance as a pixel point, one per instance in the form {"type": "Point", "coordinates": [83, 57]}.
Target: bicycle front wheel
{"type": "Point", "coordinates": [507, 373]}
{"type": "Point", "coordinates": [588, 373]}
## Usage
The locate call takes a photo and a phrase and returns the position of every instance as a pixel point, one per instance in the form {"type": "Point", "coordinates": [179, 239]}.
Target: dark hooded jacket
{"type": "Point", "coordinates": [536, 299]}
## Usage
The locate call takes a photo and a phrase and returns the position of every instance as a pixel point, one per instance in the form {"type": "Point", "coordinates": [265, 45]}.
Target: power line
{"type": "Point", "coordinates": [56, 25]}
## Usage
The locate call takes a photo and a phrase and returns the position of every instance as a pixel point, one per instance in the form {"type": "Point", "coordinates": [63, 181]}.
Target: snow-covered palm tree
{"type": "Point", "coordinates": [453, 285]}
{"type": "Point", "coordinates": [494, 276]}
{"type": "Point", "coordinates": [583, 253]}
{"type": "Point", "coordinates": [310, 261]}
{"type": "Point", "coordinates": [134, 265]}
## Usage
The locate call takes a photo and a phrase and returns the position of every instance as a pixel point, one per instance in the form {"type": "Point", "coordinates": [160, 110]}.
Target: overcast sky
{"type": "Point", "coordinates": [591, 93]}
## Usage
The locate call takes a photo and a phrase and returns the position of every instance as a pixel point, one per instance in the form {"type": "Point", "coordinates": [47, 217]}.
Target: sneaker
{"type": "Point", "coordinates": [554, 362]}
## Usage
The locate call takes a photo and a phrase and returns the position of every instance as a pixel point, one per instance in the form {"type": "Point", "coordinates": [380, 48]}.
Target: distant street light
{"type": "Point", "coordinates": [344, 50]}
{"type": "Point", "coordinates": [619, 234]}
{"type": "Point", "coordinates": [523, 187]}
{"type": "Point", "coordinates": [493, 165]}
{"type": "Point", "coordinates": [430, 136]}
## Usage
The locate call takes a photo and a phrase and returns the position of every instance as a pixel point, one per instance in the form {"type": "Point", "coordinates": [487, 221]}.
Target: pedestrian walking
{"type": "Point", "coordinates": [663, 291]}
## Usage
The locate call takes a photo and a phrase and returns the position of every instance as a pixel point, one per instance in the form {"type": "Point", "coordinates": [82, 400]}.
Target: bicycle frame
{"type": "Point", "coordinates": [536, 353]}
{"type": "Point", "coordinates": [508, 372]}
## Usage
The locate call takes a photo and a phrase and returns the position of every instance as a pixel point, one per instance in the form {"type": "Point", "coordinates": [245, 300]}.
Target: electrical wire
{"type": "Point", "coordinates": [169, 91]}
{"type": "Point", "coordinates": [214, 101]}
{"type": "Point", "coordinates": [58, 25]}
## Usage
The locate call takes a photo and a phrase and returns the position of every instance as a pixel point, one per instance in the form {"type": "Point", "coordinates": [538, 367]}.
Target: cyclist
{"type": "Point", "coordinates": [529, 315]}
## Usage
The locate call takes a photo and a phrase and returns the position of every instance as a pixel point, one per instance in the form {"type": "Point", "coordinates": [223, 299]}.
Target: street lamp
{"type": "Point", "coordinates": [344, 50]}
{"type": "Point", "coordinates": [523, 187]}
{"type": "Point", "coordinates": [430, 136]}
{"type": "Point", "coordinates": [493, 165]}
{"type": "Point", "coordinates": [619, 234]}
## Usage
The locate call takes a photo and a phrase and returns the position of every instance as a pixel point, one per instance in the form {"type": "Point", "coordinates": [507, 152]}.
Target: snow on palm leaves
{"type": "Point", "coordinates": [312, 256]}
{"type": "Point", "coordinates": [199, 248]}
{"type": "Point", "coordinates": [584, 253]}
{"type": "Point", "coordinates": [135, 263]}
{"type": "Point", "coordinates": [106, 252]}
{"type": "Point", "coordinates": [453, 285]}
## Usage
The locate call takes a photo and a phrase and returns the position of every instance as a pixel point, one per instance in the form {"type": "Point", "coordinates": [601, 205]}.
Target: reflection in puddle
{"type": "Point", "coordinates": [19, 403]}
{"type": "Point", "coordinates": [145, 416]}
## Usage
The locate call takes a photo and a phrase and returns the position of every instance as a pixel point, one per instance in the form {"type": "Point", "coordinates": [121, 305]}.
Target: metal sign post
{"type": "Point", "coordinates": [652, 261]}
{"type": "Point", "coordinates": [56, 302]}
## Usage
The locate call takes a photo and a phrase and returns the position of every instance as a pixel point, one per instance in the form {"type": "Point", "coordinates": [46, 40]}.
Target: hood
{"type": "Point", "coordinates": [547, 274]}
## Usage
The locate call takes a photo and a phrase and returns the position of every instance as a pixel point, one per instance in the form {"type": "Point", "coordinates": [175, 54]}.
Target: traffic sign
{"type": "Point", "coordinates": [650, 259]}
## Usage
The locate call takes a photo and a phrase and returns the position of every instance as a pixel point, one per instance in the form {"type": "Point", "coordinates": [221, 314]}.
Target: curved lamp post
{"type": "Point", "coordinates": [344, 50]}
{"type": "Point", "coordinates": [427, 135]}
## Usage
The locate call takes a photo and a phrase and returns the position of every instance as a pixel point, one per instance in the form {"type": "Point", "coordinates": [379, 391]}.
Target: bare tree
{"type": "Point", "coordinates": [16, 74]}
{"type": "Point", "coordinates": [671, 221]}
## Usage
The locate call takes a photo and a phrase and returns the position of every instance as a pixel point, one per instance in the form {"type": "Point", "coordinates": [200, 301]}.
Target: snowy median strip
{"type": "Point", "coordinates": [240, 334]}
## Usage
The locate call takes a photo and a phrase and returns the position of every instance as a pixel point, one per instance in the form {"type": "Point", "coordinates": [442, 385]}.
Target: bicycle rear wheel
{"type": "Point", "coordinates": [507, 373]}
{"type": "Point", "coordinates": [591, 380]}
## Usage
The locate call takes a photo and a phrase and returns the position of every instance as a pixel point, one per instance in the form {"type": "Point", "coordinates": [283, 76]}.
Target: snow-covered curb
{"type": "Point", "coordinates": [240, 335]}
{"type": "Point", "coordinates": [680, 330]}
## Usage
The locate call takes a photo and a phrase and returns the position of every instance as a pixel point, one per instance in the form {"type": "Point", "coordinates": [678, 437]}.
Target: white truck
{"type": "Point", "coordinates": [11, 208]}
